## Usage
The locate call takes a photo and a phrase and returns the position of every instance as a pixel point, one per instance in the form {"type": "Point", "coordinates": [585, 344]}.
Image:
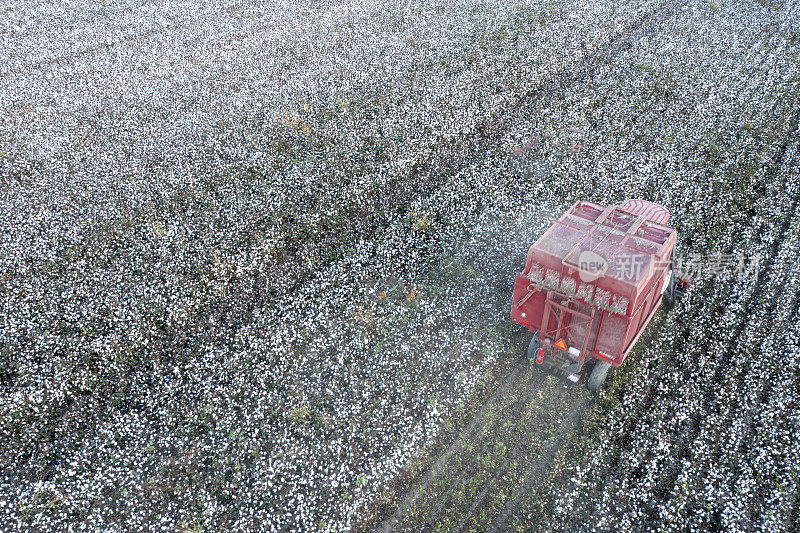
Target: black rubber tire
{"type": "Point", "coordinates": [533, 347]}
{"type": "Point", "coordinates": [668, 299]}
{"type": "Point", "coordinates": [598, 375]}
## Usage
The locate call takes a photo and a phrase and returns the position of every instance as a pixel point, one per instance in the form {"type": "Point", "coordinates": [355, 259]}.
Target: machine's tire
{"type": "Point", "coordinates": [669, 299]}
{"type": "Point", "coordinates": [533, 347]}
{"type": "Point", "coordinates": [668, 296]}
{"type": "Point", "coordinates": [598, 375]}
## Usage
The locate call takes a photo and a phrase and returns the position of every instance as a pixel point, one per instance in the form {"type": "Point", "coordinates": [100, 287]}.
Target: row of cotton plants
{"type": "Point", "coordinates": [716, 397]}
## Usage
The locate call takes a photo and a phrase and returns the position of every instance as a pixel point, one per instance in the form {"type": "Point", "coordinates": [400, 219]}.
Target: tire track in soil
{"type": "Point", "coordinates": [541, 465]}
{"type": "Point", "coordinates": [502, 471]}
{"type": "Point", "coordinates": [515, 410]}
{"type": "Point", "coordinates": [438, 466]}
{"type": "Point", "coordinates": [450, 155]}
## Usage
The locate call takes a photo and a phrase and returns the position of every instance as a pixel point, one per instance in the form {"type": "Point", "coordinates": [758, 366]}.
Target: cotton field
{"type": "Point", "coordinates": [257, 262]}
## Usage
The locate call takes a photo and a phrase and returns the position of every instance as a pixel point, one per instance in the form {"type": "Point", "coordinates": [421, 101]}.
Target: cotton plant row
{"type": "Point", "coordinates": [653, 432]}
{"type": "Point", "coordinates": [722, 421]}
{"type": "Point", "coordinates": [765, 433]}
{"type": "Point", "coordinates": [753, 379]}
{"type": "Point", "coordinates": [648, 449]}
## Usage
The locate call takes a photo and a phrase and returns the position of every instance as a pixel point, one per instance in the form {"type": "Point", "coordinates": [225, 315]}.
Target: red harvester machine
{"type": "Point", "coordinates": [593, 282]}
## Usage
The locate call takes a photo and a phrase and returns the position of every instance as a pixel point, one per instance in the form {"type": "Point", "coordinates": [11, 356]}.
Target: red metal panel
{"type": "Point", "coordinates": [579, 331]}
{"type": "Point", "coordinates": [649, 210]}
{"type": "Point", "coordinates": [612, 334]}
